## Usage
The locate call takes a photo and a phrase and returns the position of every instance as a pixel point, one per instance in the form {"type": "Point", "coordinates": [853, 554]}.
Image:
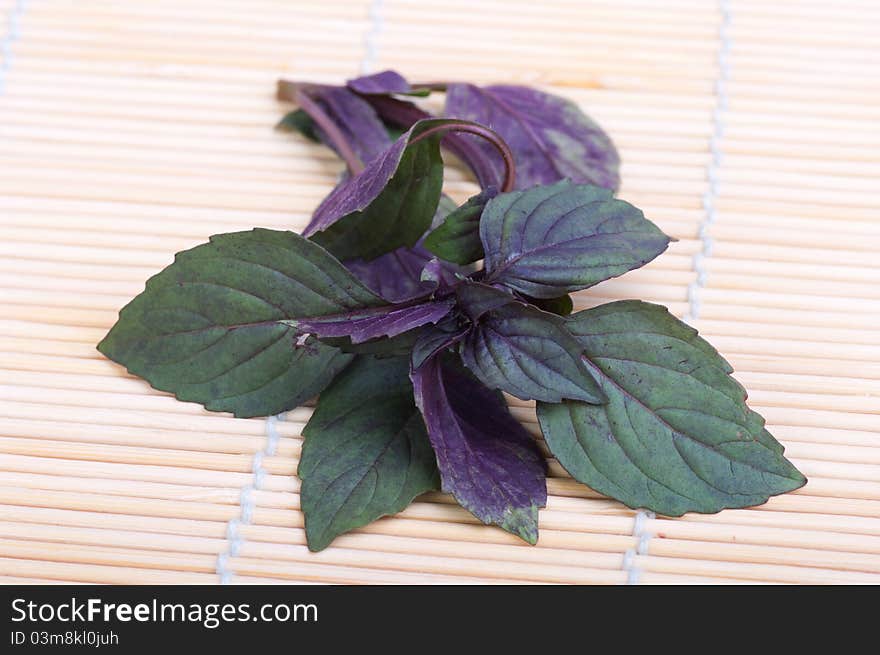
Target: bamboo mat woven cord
{"type": "Point", "coordinates": [713, 169]}
{"type": "Point", "coordinates": [130, 131]}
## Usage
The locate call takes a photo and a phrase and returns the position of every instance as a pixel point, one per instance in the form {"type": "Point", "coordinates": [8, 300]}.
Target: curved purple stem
{"type": "Point", "coordinates": [297, 94]}
{"type": "Point", "coordinates": [485, 133]}
{"type": "Point", "coordinates": [405, 114]}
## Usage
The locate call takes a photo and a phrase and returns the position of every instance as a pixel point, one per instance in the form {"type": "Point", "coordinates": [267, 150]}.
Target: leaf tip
{"type": "Point", "coordinates": [522, 522]}
{"type": "Point", "coordinates": [316, 545]}
{"type": "Point", "coordinates": [799, 480]}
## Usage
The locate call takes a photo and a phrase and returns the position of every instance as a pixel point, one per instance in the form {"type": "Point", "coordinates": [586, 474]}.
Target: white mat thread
{"type": "Point", "coordinates": [234, 540]}
{"type": "Point", "coordinates": [642, 536]}
{"type": "Point", "coordinates": [371, 39]}
{"type": "Point", "coordinates": [710, 197]}
{"type": "Point", "coordinates": [13, 26]}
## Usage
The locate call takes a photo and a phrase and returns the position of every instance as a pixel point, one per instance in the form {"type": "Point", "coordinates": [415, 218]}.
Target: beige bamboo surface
{"type": "Point", "coordinates": [131, 130]}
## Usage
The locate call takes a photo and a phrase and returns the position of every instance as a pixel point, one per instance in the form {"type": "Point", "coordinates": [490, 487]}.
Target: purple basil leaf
{"type": "Point", "coordinates": [375, 322]}
{"type": "Point", "coordinates": [389, 204]}
{"type": "Point", "coordinates": [441, 275]}
{"type": "Point", "coordinates": [396, 275]}
{"type": "Point", "coordinates": [550, 240]}
{"type": "Point", "coordinates": [385, 83]}
{"type": "Point", "coordinates": [475, 299]}
{"type": "Point", "coordinates": [529, 354]}
{"type": "Point", "coordinates": [406, 273]}
{"type": "Point", "coordinates": [551, 138]}
{"type": "Point", "coordinates": [353, 115]}
{"type": "Point", "coordinates": [487, 460]}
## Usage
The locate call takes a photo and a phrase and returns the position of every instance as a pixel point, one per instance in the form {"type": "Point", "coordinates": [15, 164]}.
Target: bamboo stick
{"type": "Point", "coordinates": [190, 562]}
{"type": "Point", "coordinates": [652, 578]}
{"type": "Point", "coordinates": [96, 574]}
{"type": "Point", "coordinates": [639, 171]}
{"type": "Point", "coordinates": [202, 422]}
{"type": "Point", "coordinates": [15, 580]}
{"type": "Point", "coordinates": [775, 573]}
{"type": "Point", "coordinates": [812, 521]}
{"type": "Point", "coordinates": [132, 455]}
{"type": "Point", "coordinates": [179, 491]}
{"type": "Point", "coordinates": [142, 473]}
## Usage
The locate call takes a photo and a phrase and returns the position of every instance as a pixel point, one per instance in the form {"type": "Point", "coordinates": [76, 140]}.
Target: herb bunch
{"type": "Point", "coordinates": [380, 309]}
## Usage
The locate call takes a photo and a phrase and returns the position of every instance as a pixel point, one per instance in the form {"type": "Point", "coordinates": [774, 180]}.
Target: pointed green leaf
{"type": "Point", "coordinates": [389, 204]}
{"type": "Point", "coordinates": [366, 451]}
{"type": "Point", "coordinates": [457, 239]}
{"type": "Point", "coordinates": [551, 240]}
{"type": "Point", "coordinates": [675, 435]}
{"type": "Point", "coordinates": [529, 354]}
{"type": "Point", "coordinates": [211, 328]}
{"type": "Point", "coordinates": [299, 121]}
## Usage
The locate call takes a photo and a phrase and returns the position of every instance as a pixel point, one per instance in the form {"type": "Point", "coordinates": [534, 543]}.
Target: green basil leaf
{"type": "Point", "coordinates": [389, 204]}
{"type": "Point", "coordinates": [299, 121]}
{"type": "Point", "coordinates": [675, 435]}
{"type": "Point", "coordinates": [529, 354]}
{"type": "Point", "coordinates": [457, 239]}
{"type": "Point", "coordinates": [211, 328]}
{"type": "Point", "coordinates": [366, 451]}
{"type": "Point", "coordinates": [550, 240]}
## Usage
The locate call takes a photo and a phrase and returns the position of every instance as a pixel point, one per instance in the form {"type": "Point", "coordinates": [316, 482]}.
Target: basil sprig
{"type": "Point", "coordinates": [379, 308]}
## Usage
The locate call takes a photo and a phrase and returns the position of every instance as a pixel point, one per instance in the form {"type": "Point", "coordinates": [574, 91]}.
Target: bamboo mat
{"type": "Point", "coordinates": [132, 130]}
